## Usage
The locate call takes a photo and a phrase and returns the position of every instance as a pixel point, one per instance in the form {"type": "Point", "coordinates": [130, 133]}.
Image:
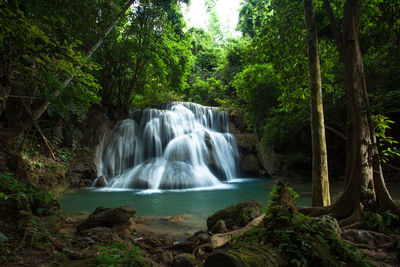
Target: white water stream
{"type": "Point", "coordinates": [182, 145]}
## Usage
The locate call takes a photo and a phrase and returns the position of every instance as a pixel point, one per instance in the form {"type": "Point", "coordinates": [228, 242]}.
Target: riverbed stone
{"type": "Point", "coordinates": [184, 260]}
{"type": "Point", "coordinates": [165, 257]}
{"type": "Point", "coordinates": [100, 234]}
{"type": "Point", "coordinates": [108, 217]}
{"type": "Point", "coordinates": [219, 227]}
{"type": "Point", "coordinates": [331, 223]}
{"type": "Point", "coordinates": [223, 259]}
{"type": "Point", "coordinates": [236, 215]}
{"type": "Point", "coordinates": [200, 237]}
{"type": "Point", "coordinates": [367, 237]}
{"type": "Point", "coordinates": [101, 182]}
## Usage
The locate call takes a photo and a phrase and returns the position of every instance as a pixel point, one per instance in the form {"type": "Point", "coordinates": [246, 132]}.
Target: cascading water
{"type": "Point", "coordinates": [182, 145]}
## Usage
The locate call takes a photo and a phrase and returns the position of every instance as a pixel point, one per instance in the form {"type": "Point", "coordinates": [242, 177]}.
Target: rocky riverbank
{"type": "Point", "coordinates": [245, 234]}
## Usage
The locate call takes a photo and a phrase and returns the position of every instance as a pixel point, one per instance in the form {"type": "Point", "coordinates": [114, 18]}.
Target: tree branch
{"type": "Point", "coordinates": [333, 130]}
{"type": "Point", "coordinates": [57, 92]}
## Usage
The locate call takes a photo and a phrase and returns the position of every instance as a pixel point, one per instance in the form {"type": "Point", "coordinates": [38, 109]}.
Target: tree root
{"type": "Point", "coordinates": [355, 225]}
{"type": "Point", "coordinates": [315, 211]}
{"type": "Point", "coordinates": [345, 221]}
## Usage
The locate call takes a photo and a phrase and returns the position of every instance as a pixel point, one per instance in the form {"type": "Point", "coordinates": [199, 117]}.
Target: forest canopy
{"type": "Point", "coordinates": [150, 56]}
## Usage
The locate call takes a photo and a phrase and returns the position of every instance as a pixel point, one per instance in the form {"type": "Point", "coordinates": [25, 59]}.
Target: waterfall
{"type": "Point", "coordinates": [178, 145]}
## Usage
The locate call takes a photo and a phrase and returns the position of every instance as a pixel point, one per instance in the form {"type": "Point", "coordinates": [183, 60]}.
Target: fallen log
{"type": "Point", "coordinates": [219, 240]}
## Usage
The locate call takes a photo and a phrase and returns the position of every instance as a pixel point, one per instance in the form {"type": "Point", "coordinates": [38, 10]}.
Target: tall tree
{"type": "Point", "coordinates": [35, 47]}
{"type": "Point", "coordinates": [320, 188]}
{"type": "Point", "coordinates": [42, 108]}
{"type": "Point", "coordinates": [364, 184]}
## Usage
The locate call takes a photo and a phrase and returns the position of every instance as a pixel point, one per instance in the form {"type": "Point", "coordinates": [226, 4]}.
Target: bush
{"type": "Point", "coordinates": [303, 240]}
{"type": "Point", "coordinates": [379, 221]}
{"type": "Point", "coordinates": [25, 198]}
{"type": "Point", "coordinates": [118, 254]}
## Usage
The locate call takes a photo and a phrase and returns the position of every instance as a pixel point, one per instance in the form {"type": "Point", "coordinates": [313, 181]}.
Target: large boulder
{"type": "Point", "coordinates": [219, 227]}
{"type": "Point", "coordinates": [370, 238]}
{"type": "Point", "coordinates": [222, 258]}
{"type": "Point", "coordinates": [254, 255]}
{"type": "Point", "coordinates": [236, 215]}
{"type": "Point", "coordinates": [108, 217]}
{"type": "Point", "coordinates": [184, 260]}
{"type": "Point", "coordinates": [330, 223]}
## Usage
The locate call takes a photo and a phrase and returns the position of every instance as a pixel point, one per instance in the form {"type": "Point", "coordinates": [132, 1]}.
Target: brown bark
{"type": "Point", "coordinates": [5, 89]}
{"type": "Point", "coordinates": [320, 195]}
{"type": "Point", "coordinates": [46, 143]}
{"type": "Point", "coordinates": [364, 183]}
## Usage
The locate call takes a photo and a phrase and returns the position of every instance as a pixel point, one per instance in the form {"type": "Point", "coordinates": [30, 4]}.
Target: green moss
{"type": "Point", "coordinates": [50, 176]}
{"type": "Point", "coordinates": [239, 214]}
{"type": "Point", "coordinates": [118, 254]}
{"type": "Point", "coordinates": [254, 255]}
{"type": "Point", "coordinates": [295, 238]}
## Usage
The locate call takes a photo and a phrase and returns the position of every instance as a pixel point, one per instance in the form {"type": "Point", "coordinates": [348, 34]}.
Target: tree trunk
{"type": "Point", "coordinates": [5, 89]}
{"type": "Point", "coordinates": [320, 191]}
{"type": "Point", "coordinates": [364, 183]}
{"type": "Point", "coordinates": [42, 108]}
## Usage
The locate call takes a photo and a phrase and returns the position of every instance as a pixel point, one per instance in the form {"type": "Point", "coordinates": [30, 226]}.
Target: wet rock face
{"type": "Point", "coordinates": [82, 171]}
{"type": "Point", "coordinates": [247, 142]}
{"type": "Point", "coordinates": [250, 165]}
{"type": "Point", "coordinates": [107, 217]}
{"type": "Point", "coordinates": [96, 124]}
{"type": "Point", "coordinates": [236, 215]}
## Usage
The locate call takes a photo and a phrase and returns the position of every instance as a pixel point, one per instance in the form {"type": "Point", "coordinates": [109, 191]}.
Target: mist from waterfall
{"type": "Point", "coordinates": [181, 145]}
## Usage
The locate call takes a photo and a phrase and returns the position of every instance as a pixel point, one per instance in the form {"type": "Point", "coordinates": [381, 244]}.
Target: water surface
{"type": "Point", "coordinates": [198, 203]}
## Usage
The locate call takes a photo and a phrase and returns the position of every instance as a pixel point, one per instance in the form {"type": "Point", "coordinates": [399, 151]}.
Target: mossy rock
{"type": "Point", "coordinates": [219, 227]}
{"type": "Point", "coordinates": [246, 255]}
{"type": "Point", "coordinates": [107, 217]}
{"type": "Point", "coordinates": [184, 260]}
{"type": "Point", "coordinates": [236, 215]}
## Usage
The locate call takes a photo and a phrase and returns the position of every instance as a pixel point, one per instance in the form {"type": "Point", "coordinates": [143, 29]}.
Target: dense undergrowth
{"type": "Point", "coordinates": [299, 240]}
{"type": "Point", "coordinates": [32, 220]}
{"type": "Point", "coordinates": [22, 209]}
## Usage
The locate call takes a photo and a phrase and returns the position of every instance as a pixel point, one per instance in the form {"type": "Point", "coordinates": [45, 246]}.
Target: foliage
{"type": "Point", "coordinates": [379, 221]}
{"type": "Point", "coordinates": [274, 195]}
{"type": "Point", "coordinates": [29, 47]}
{"type": "Point", "coordinates": [118, 254]}
{"type": "Point", "coordinates": [24, 198]}
{"type": "Point", "coordinates": [388, 145]}
{"type": "Point", "coordinates": [281, 126]}
{"type": "Point", "coordinates": [258, 88]}
{"type": "Point", "coordinates": [147, 58]}
{"type": "Point", "coordinates": [305, 240]}
{"type": "Point", "coordinates": [210, 92]}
